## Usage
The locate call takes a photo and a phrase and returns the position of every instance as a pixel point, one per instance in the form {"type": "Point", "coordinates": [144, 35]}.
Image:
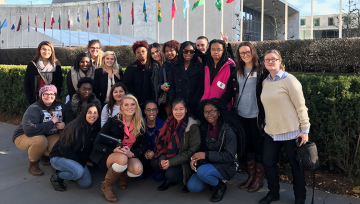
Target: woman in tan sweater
{"type": "Point", "coordinates": [286, 119]}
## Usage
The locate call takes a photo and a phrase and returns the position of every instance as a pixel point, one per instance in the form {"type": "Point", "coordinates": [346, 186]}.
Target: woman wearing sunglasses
{"type": "Point", "coordinates": [186, 78]}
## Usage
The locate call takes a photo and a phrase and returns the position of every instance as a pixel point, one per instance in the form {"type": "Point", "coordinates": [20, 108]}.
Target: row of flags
{"type": "Point", "coordinates": [173, 10]}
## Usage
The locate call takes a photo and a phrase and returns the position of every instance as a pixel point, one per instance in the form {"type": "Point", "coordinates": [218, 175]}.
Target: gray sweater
{"type": "Point", "coordinates": [247, 107]}
{"type": "Point", "coordinates": [37, 121]}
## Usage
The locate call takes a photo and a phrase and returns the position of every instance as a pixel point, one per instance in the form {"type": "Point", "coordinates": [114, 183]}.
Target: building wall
{"type": "Point", "coordinates": [2, 1]}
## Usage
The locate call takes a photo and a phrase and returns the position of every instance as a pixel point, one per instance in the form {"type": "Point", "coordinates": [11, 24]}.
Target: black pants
{"type": "Point", "coordinates": [271, 153]}
{"type": "Point", "coordinates": [173, 173]}
{"type": "Point", "coordinates": [254, 141]}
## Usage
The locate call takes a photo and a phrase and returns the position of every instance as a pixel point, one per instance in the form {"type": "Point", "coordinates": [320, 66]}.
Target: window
{"type": "Point", "coordinates": [302, 22]}
{"type": "Point", "coordinates": [331, 21]}
{"type": "Point", "coordinates": [316, 21]}
{"type": "Point", "coordinates": [347, 20]}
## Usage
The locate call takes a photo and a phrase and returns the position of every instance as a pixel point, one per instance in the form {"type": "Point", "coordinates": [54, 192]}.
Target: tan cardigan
{"type": "Point", "coordinates": [284, 105]}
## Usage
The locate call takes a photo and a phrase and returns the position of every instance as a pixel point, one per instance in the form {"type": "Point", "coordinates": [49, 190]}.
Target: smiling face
{"type": "Point", "coordinates": [217, 51]}
{"type": "Point", "coordinates": [188, 53]}
{"type": "Point", "coordinates": [211, 114]}
{"type": "Point", "coordinates": [48, 97]}
{"type": "Point", "coordinates": [85, 91]}
{"type": "Point", "coordinates": [273, 66]}
{"type": "Point", "coordinates": [128, 107]}
{"type": "Point", "coordinates": [170, 52]}
{"type": "Point", "coordinates": [84, 64]}
{"type": "Point", "coordinates": [45, 52]}
{"type": "Point", "coordinates": [151, 111]}
{"type": "Point", "coordinates": [92, 115]}
{"type": "Point", "coordinates": [109, 60]}
{"type": "Point", "coordinates": [141, 53]}
{"type": "Point", "coordinates": [155, 54]}
{"type": "Point", "coordinates": [202, 45]}
{"type": "Point", "coordinates": [246, 54]}
{"type": "Point", "coordinates": [94, 50]}
{"type": "Point", "coordinates": [118, 93]}
{"type": "Point", "coordinates": [179, 111]}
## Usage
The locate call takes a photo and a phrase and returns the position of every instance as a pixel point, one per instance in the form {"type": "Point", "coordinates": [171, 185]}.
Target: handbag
{"type": "Point", "coordinates": [307, 156]}
{"type": "Point", "coordinates": [233, 107]}
{"type": "Point", "coordinates": [163, 96]}
{"type": "Point", "coordinates": [110, 141]}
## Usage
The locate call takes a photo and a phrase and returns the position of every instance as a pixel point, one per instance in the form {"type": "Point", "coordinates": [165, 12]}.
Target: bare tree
{"type": "Point", "coordinates": [350, 19]}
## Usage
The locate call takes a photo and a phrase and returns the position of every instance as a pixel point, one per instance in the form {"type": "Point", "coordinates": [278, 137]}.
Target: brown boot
{"type": "Point", "coordinates": [259, 178]}
{"type": "Point", "coordinates": [251, 178]}
{"type": "Point", "coordinates": [122, 180]}
{"type": "Point", "coordinates": [34, 169]}
{"type": "Point", "coordinates": [45, 160]}
{"type": "Point", "coordinates": [106, 185]}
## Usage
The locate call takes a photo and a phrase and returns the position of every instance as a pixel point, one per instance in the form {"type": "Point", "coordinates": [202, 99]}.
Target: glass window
{"type": "Point", "coordinates": [316, 21]}
{"type": "Point", "coordinates": [302, 22]}
{"type": "Point", "coordinates": [331, 21]}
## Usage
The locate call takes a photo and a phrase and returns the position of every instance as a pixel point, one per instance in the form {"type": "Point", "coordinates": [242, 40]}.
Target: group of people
{"type": "Point", "coordinates": [182, 113]}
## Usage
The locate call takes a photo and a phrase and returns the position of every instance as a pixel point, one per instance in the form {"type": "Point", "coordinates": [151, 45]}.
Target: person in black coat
{"type": "Point", "coordinates": [80, 99]}
{"type": "Point", "coordinates": [134, 73]}
{"type": "Point", "coordinates": [71, 152]}
{"type": "Point", "coordinates": [186, 78]}
{"type": "Point", "coordinates": [43, 69]}
{"type": "Point", "coordinates": [121, 161]}
{"type": "Point", "coordinates": [109, 72]}
{"type": "Point", "coordinates": [217, 157]}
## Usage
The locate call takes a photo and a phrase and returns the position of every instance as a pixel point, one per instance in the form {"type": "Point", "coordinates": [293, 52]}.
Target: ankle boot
{"type": "Point", "coordinates": [122, 180]}
{"type": "Point", "coordinates": [219, 192]}
{"type": "Point", "coordinates": [45, 160]}
{"type": "Point", "coordinates": [251, 172]}
{"type": "Point", "coordinates": [106, 185]}
{"type": "Point", "coordinates": [34, 169]}
{"type": "Point", "coordinates": [58, 183]}
{"type": "Point", "coordinates": [259, 178]}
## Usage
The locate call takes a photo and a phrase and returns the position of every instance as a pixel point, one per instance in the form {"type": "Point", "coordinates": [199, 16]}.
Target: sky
{"type": "Point", "coordinates": [321, 7]}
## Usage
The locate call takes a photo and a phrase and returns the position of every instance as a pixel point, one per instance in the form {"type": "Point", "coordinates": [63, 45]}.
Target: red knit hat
{"type": "Point", "coordinates": [46, 88]}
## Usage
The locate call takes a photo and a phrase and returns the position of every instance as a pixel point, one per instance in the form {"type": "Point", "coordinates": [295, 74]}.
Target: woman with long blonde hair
{"type": "Point", "coordinates": [121, 161]}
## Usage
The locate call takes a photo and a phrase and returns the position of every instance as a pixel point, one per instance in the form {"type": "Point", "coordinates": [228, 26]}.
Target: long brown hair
{"type": "Point", "coordinates": [52, 57]}
{"type": "Point", "coordinates": [240, 64]}
{"type": "Point", "coordinates": [150, 60]}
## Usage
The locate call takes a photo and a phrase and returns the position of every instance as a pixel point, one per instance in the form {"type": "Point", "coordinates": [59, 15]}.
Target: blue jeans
{"type": "Point", "coordinates": [72, 170]}
{"type": "Point", "coordinates": [206, 174]}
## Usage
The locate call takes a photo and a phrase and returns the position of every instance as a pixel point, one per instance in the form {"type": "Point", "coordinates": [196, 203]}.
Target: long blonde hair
{"type": "Point", "coordinates": [137, 121]}
{"type": "Point", "coordinates": [278, 55]}
{"type": "Point", "coordinates": [114, 66]}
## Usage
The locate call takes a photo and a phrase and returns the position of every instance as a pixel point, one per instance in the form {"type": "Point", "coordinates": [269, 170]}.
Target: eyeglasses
{"type": "Point", "coordinates": [189, 51]}
{"type": "Point", "coordinates": [48, 94]}
{"type": "Point", "coordinates": [216, 50]}
{"type": "Point", "coordinates": [212, 112]}
{"type": "Point", "coordinates": [141, 52]}
{"type": "Point", "coordinates": [270, 60]}
{"type": "Point", "coordinates": [95, 48]}
{"type": "Point", "coordinates": [151, 110]}
{"type": "Point", "coordinates": [245, 53]}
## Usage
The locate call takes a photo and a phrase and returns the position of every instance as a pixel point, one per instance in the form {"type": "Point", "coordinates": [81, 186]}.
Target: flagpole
{"type": "Point", "coordinates": [78, 25]}
{"type": "Point", "coordinates": [286, 19]}
{"type": "Point", "coordinates": [36, 28]}
{"type": "Point", "coordinates": [241, 20]}
{"type": "Point", "coordinates": [69, 26]}
{"type": "Point", "coordinates": [172, 29]}
{"type": "Point", "coordinates": [52, 27]}
{"type": "Point", "coordinates": [158, 32]}
{"type": "Point", "coordinates": [262, 20]}
{"type": "Point", "coordinates": [109, 21]}
{"type": "Point", "coordinates": [132, 34]}
{"type": "Point", "coordinates": [204, 20]}
{"type": "Point", "coordinates": [28, 29]}
{"type": "Point", "coordinates": [7, 34]}
{"type": "Point", "coordinates": [120, 27]}
{"type": "Point", "coordinates": [60, 28]}
{"type": "Point", "coordinates": [187, 24]}
{"type": "Point", "coordinates": [89, 22]}
{"type": "Point", "coordinates": [22, 39]}
{"type": "Point", "coordinates": [98, 22]}
{"type": "Point", "coordinates": [1, 33]}
{"type": "Point", "coordinates": [14, 29]}
{"type": "Point", "coordinates": [340, 20]}
{"type": "Point", "coordinates": [222, 17]}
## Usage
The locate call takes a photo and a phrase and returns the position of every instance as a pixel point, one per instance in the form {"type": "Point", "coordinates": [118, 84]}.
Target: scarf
{"type": "Point", "coordinates": [46, 71]}
{"type": "Point", "coordinates": [170, 134]}
{"type": "Point", "coordinates": [77, 106]}
{"type": "Point", "coordinates": [76, 76]}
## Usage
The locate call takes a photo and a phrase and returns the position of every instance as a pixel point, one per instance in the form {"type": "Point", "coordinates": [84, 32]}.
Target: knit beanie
{"type": "Point", "coordinates": [46, 88]}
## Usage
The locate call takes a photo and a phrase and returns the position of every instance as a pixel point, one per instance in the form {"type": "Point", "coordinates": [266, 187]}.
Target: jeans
{"type": "Point", "coordinates": [206, 174]}
{"type": "Point", "coordinates": [72, 170]}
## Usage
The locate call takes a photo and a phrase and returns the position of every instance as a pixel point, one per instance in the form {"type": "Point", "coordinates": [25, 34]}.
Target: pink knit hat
{"type": "Point", "coordinates": [46, 88]}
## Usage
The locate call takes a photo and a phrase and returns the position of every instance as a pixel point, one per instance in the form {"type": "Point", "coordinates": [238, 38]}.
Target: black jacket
{"type": "Point", "coordinates": [115, 128]}
{"type": "Point", "coordinates": [101, 84]}
{"type": "Point", "coordinates": [134, 80]}
{"type": "Point", "coordinates": [221, 152]}
{"type": "Point", "coordinates": [151, 82]}
{"type": "Point", "coordinates": [232, 91]}
{"type": "Point", "coordinates": [80, 150]}
{"type": "Point", "coordinates": [167, 66]}
{"type": "Point", "coordinates": [70, 88]}
{"type": "Point", "coordinates": [188, 84]}
{"type": "Point", "coordinates": [32, 82]}
{"type": "Point", "coordinates": [74, 107]}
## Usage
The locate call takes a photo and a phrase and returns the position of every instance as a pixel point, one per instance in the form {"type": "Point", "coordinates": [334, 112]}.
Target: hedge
{"type": "Point", "coordinates": [318, 55]}
{"type": "Point", "coordinates": [333, 102]}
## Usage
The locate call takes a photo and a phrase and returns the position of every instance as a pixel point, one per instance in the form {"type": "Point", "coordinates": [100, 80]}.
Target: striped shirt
{"type": "Point", "coordinates": [289, 135]}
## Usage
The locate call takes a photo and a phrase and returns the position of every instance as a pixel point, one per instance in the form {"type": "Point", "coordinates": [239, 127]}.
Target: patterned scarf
{"type": "Point", "coordinates": [46, 71]}
{"type": "Point", "coordinates": [76, 76]}
{"type": "Point", "coordinates": [169, 138]}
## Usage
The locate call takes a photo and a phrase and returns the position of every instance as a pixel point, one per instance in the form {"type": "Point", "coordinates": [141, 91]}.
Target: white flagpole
{"type": "Point", "coordinates": [187, 23]}
{"type": "Point", "coordinates": [89, 22]}
{"type": "Point", "coordinates": [145, 30]}
{"type": "Point", "coordinates": [1, 33]}
{"type": "Point", "coordinates": [109, 22]}
{"type": "Point", "coordinates": [286, 19]}
{"type": "Point", "coordinates": [241, 20]}
{"type": "Point", "coordinates": [262, 20]}
{"type": "Point", "coordinates": [69, 29]}
{"type": "Point", "coordinates": [340, 20]}
{"type": "Point", "coordinates": [98, 22]}
{"type": "Point", "coordinates": [172, 29]}
{"type": "Point", "coordinates": [222, 17]}
{"type": "Point", "coordinates": [28, 29]}
{"type": "Point", "coordinates": [60, 28]}
{"type": "Point", "coordinates": [78, 25]}
{"type": "Point", "coordinates": [120, 27]}
{"type": "Point", "coordinates": [7, 34]}
{"type": "Point", "coordinates": [52, 29]}
{"type": "Point", "coordinates": [21, 30]}
{"type": "Point", "coordinates": [14, 29]}
{"type": "Point", "coordinates": [204, 20]}
{"type": "Point", "coordinates": [132, 34]}
{"type": "Point", "coordinates": [36, 29]}
{"type": "Point", "coordinates": [312, 21]}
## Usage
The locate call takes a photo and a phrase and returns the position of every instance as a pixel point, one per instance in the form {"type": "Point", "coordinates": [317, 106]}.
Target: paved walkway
{"type": "Point", "coordinates": [18, 186]}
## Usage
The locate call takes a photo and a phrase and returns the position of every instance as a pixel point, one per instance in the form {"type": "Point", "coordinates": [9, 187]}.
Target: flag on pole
{"type": "Point", "coordinates": [108, 16]}
{"type": "Point", "coordinates": [69, 19]}
{"type": "Point", "coordinates": [35, 22]}
{"type": "Point", "coordinates": [59, 21]}
{"type": "Point", "coordinates": [119, 16]}
{"type": "Point", "coordinates": [159, 12]}
{"type": "Point", "coordinates": [144, 11]}
{"type": "Point", "coordinates": [218, 4]}
{"type": "Point", "coordinates": [52, 20]}
{"type": "Point", "coordinates": [186, 5]}
{"type": "Point", "coordinates": [132, 13]}
{"type": "Point", "coordinates": [78, 17]}
{"type": "Point", "coordinates": [173, 9]}
{"type": "Point", "coordinates": [4, 24]}
{"type": "Point", "coordinates": [28, 23]}
{"type": "Point", "coordinates": [19, 24]}
{"type": "Point", "coordinates": [13, 26]}
{"type": "Point", "coordinates": [197, 3]}
{"type": "Point", "coordinates": [229, 1]}
{"type": "Point", "coordinates": [87, 18]}
{"type": "Point", "coordinates": [98, 17]}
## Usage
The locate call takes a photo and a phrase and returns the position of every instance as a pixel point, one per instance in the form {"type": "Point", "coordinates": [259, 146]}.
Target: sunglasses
{"type": "Point", "coordinates": [189, 51]}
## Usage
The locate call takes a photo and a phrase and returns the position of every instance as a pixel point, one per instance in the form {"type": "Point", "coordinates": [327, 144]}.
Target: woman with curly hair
{"type": "Point", "coordinates": [134, 73]}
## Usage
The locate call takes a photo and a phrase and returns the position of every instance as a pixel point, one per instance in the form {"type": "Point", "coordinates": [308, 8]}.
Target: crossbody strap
{"type": "Point", "coordinates": [164, 72]}
{"type": "Point", "coordinates": [40, 73]}
{"type": "Point", "coordinates": [243, 88]}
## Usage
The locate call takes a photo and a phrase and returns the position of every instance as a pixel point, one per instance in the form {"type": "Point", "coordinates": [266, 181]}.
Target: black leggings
{"type": "Point", "coordinates": [254, 141]}
{"type": "Point", "coordinates": [173, 173]}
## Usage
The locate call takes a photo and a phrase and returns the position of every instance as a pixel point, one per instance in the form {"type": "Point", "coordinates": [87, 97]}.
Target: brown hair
{"type": "Point", "coordinates": [97, 62]}
{"type": "Point", "coordinates": [150, 60]}
{"type": "Point", "coordinates": [240, 64]}
{"type": "Point", "coordinates": [277, 53]}
{"type": "Point", "coordinates": [52, 58]}
{"type": "Point", "coordinates": [137, 44]}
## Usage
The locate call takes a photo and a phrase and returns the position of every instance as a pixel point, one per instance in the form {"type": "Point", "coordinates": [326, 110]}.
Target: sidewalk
{"type": "Point", "coordinates": [18, 186]}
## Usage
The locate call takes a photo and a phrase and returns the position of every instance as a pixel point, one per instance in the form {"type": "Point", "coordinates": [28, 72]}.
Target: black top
{"type": "Point", "coordinates": [101, 84]}
{"type": "Point", "coordinates": [167, 67]}
{"type": "Point", "coordinates": [151, 81]}
{"type": "Point", "coordinates": [134, 80]}
{"type": "Point", "coordinates": [80, 150]}
{"type": "Point", "coordinates": [32, 82]}
{"type": "Point", "coordinates": [70, 88]}
{"type": "Point", "coordinates": [213, 71]}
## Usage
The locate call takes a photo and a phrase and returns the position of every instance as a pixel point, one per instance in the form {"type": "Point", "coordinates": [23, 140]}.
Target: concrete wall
{"type": "Point", "coordinates": [293, 27]}
{"type": "Point", "coordinates": [2, 1]}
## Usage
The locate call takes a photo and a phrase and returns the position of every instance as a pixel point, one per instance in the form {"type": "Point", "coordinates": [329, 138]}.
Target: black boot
{"type": "Point", "coordinates": [166, 185]}
{"type": "Point", "coordinates": [219, 192]}
{"type": "Point", "coordinates": [58, 183]}
{"type": "Point", "coordinates": [268, 199]}
{"type": "Point", "coordinates": [185, 189]}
